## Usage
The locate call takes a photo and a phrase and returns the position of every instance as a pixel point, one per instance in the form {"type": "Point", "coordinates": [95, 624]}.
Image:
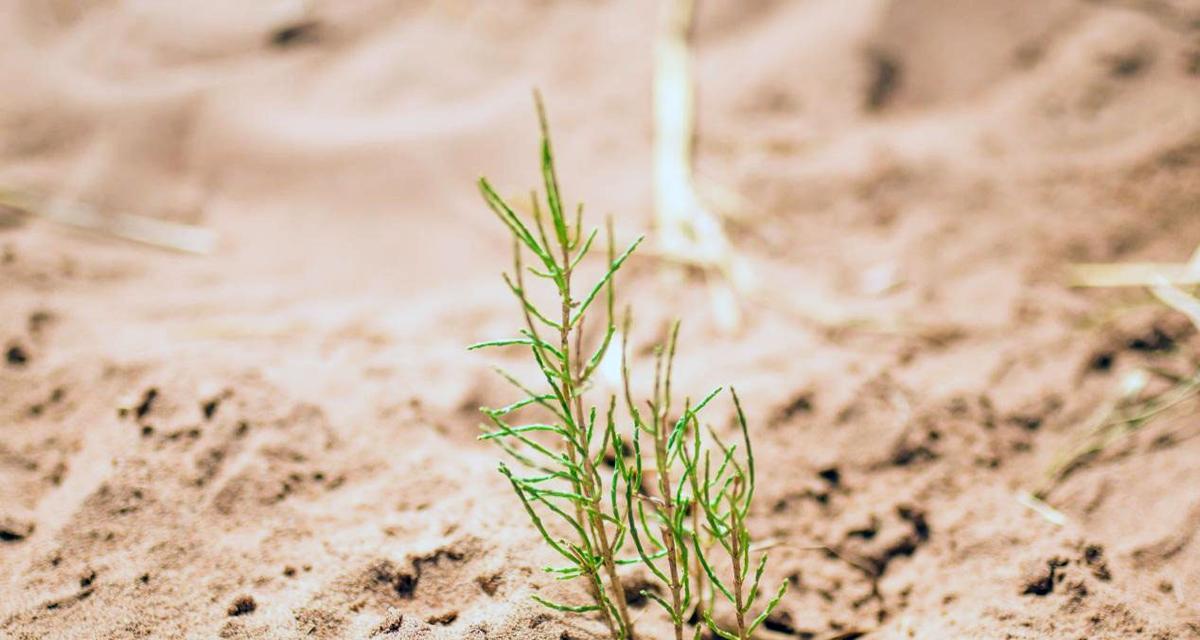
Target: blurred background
{"type": "Point", "coordinates": [387, 111]}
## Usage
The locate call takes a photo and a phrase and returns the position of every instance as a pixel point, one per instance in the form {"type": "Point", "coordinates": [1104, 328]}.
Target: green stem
{"type": "Point", "coordinates": [587, 486]}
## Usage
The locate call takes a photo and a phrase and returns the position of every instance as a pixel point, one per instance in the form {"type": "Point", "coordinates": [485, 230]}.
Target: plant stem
{"type": "Point", "coordinates": [697, 569]}
{"type": "Point", "coordinates": [669, 506]}
{"type": "Point", "coordinates": [662, 407]}
{"type": "Point", "coordinates": [595, 585]}
{"type": "Point", "coordinates": [587, 487]}
{"type": "Point", "coordinates": [736, 556]}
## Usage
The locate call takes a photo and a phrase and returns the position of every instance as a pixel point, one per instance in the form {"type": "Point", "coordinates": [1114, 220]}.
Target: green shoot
{"type": "Point", "coordinates": [724, 494]}
{"type": "Point", "coordinates": [587, 517]}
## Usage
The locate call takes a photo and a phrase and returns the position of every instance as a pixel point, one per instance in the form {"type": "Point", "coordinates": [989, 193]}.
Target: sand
{"type": "Point", "coordinates": [277, 440]}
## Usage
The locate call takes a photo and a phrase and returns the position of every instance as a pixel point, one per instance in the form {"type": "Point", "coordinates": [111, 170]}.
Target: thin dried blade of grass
{"type": "Point", "coordinates": [1177, 299]}
{"type": "Point", "coordinates": [1047, 512]}
{"type": "Point", "coordinates": [1133, 274]}
{"type": "Point", "coordinates": [1122, 416]}
{"type": "Point", "coordinates": [165, 234]}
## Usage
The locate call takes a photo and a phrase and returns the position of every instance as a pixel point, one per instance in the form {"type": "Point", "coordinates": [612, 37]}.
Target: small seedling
{"type": "Point", "coordinates": [679, 524]}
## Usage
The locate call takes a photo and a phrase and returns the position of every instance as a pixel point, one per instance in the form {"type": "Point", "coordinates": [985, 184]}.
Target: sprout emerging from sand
{"type": "Point", "coordinates": [679, 509]}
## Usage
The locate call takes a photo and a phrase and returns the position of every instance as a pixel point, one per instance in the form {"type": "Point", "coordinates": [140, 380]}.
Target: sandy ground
{"type": "Point", "coordinates": [278, 440]}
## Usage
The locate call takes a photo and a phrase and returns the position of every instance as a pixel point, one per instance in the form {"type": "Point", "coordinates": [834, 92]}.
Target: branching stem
{"type": "Point", "coordinates": [559, 452]}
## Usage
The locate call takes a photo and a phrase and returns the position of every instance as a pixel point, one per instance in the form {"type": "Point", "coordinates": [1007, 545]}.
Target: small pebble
{"type": "Point", "coordinates": [242, 605]}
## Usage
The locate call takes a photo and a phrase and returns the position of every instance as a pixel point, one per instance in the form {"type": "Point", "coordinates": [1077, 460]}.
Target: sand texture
{"type": "Point", "coordinates": [278, 440]}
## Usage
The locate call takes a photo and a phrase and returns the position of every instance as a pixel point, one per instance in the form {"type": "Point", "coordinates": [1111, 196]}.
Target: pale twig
{"type": "Point", "coordinates": [688, 231]}
{"type": "Point", "coordinates": [1177, 299]}
{"type": "Point", "coordinates": [164, 234]}
{"type": "Point", "coordinates": [1047, 512]}
{"type": "Point", "coordinates": [1133, 274]}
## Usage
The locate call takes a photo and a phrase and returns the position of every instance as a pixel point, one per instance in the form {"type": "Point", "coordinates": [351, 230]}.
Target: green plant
{"type": "Point", "coordinates": [694, 505]}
